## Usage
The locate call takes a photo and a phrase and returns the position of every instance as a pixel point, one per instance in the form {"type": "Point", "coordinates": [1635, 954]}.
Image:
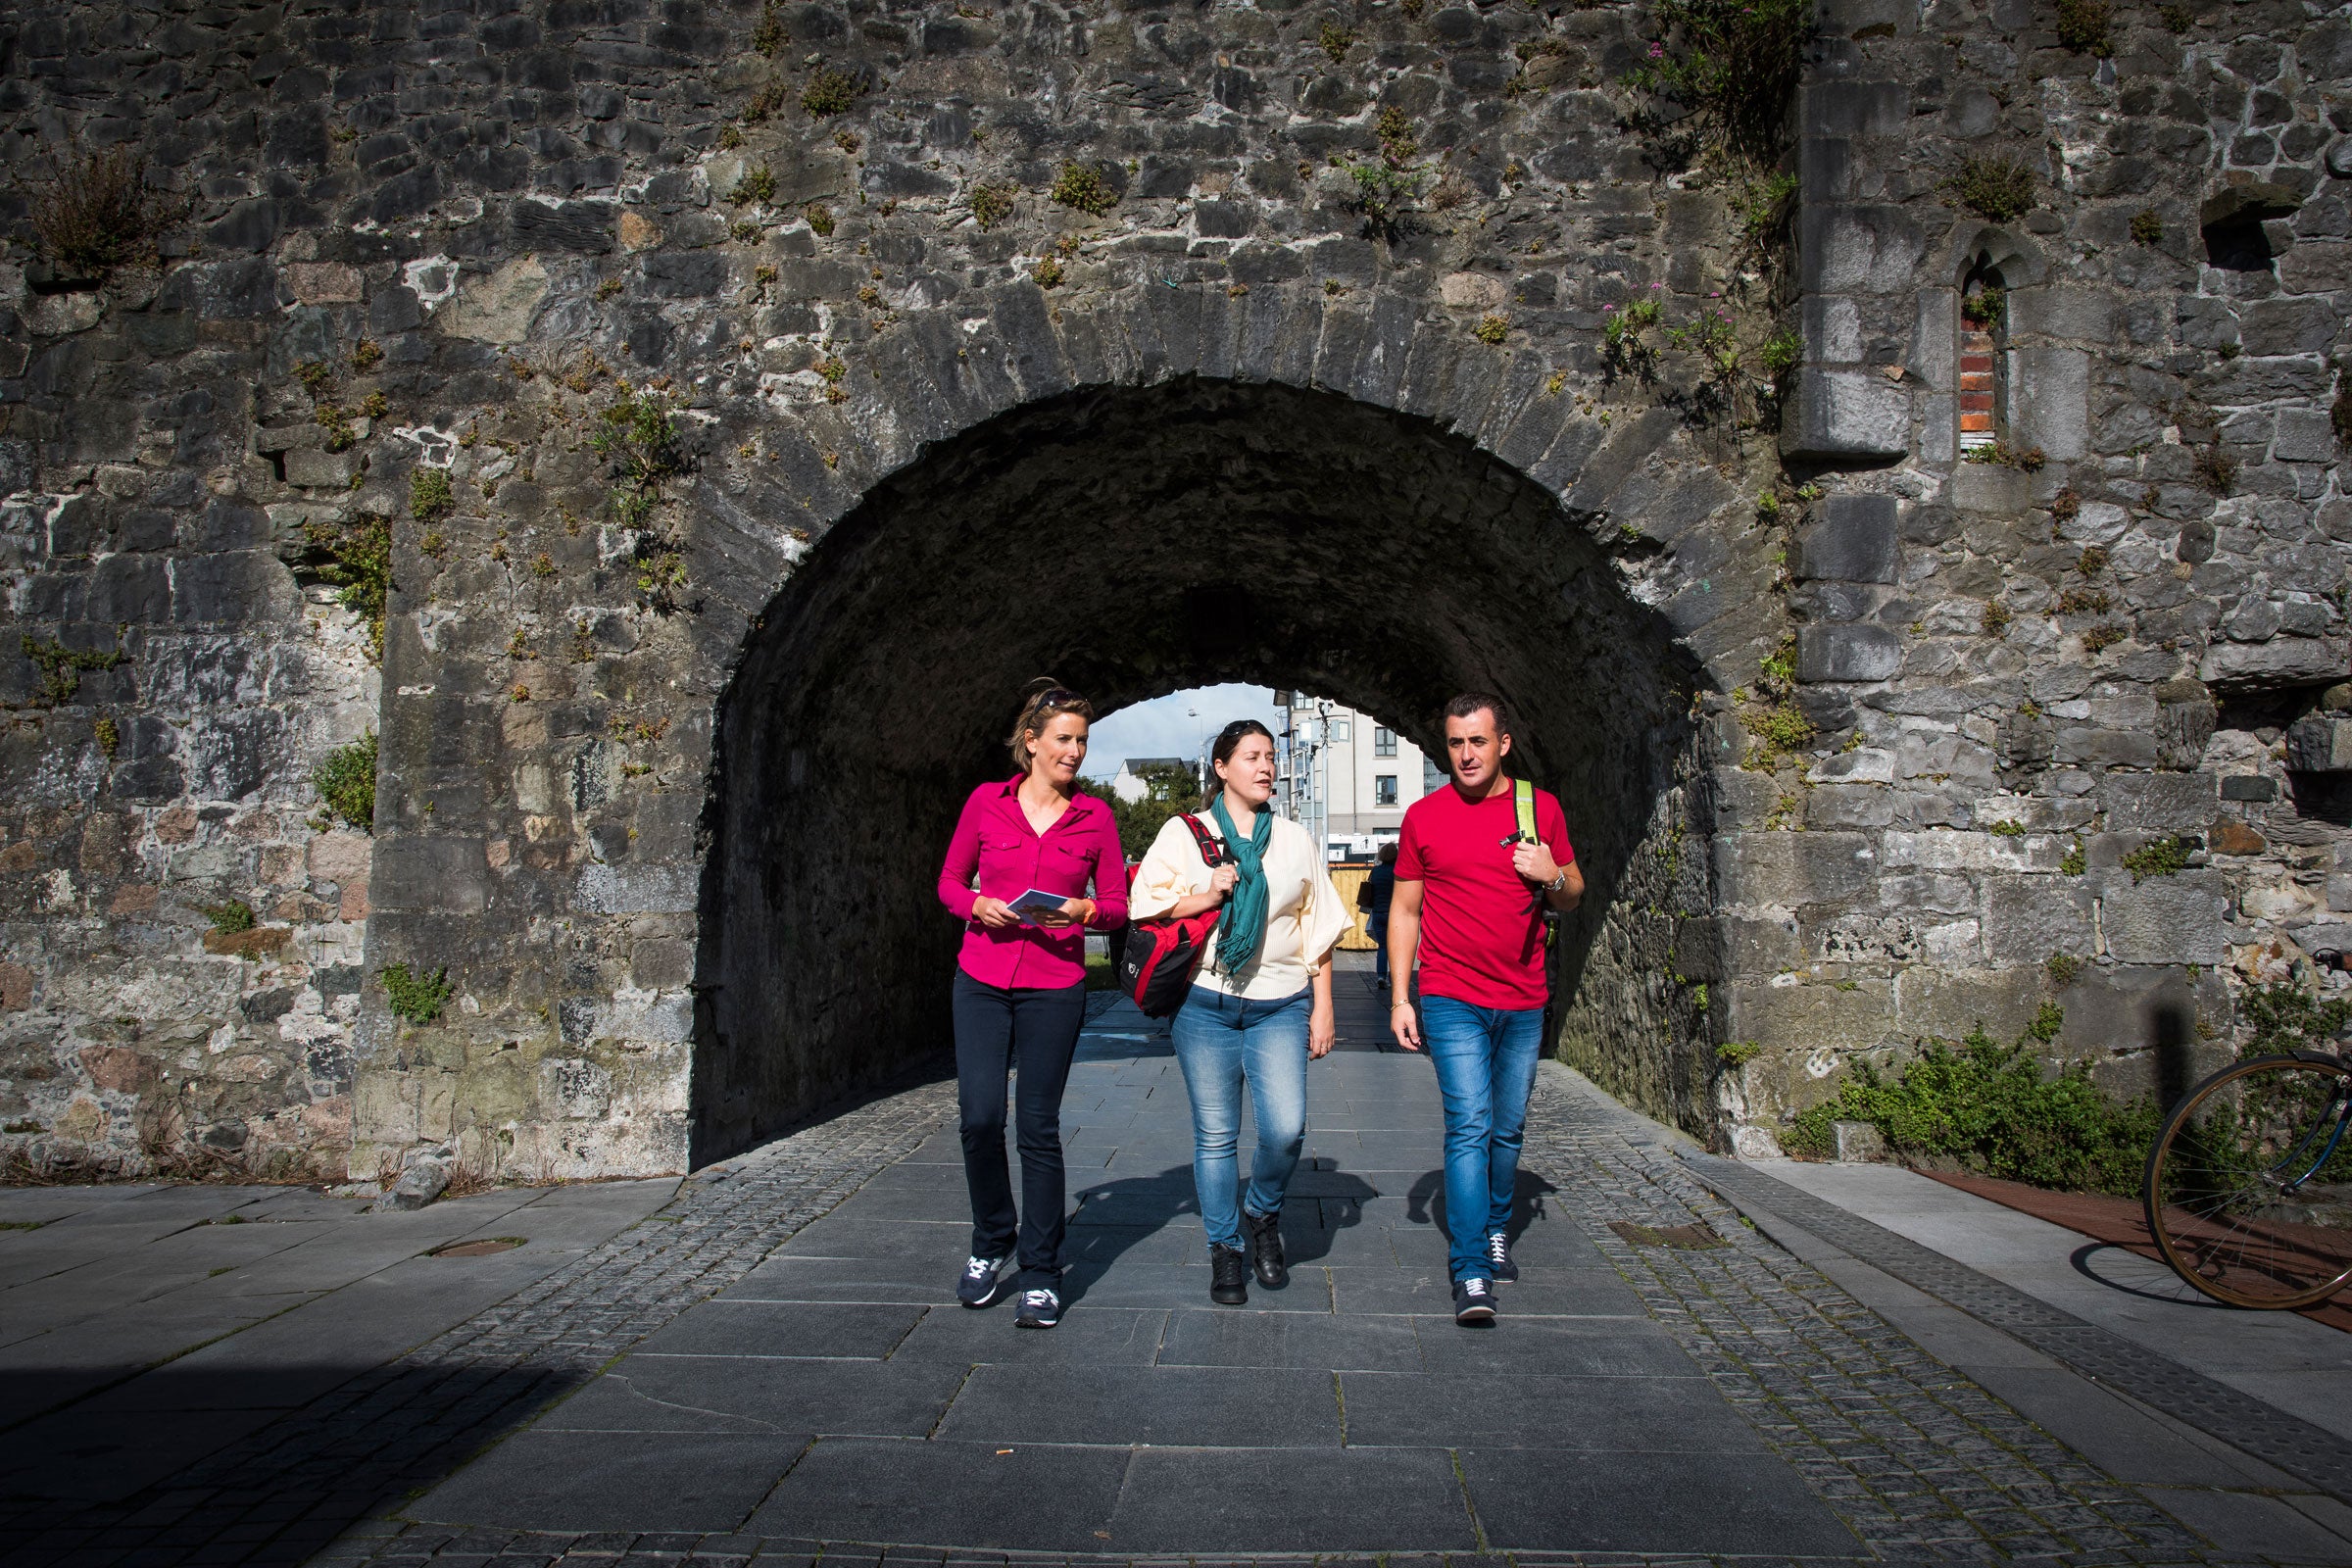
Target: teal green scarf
{"type": "Point", "coordinates": [1242, 929]}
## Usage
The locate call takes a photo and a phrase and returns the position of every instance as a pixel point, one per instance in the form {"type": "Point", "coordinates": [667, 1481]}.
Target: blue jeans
{"type": "Point", "coordinates": [1219, 1039]}
{"type": "Point", "coordinates": [1486, 1060]}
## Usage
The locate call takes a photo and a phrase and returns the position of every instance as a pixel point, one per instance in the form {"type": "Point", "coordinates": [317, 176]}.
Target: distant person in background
{"type": "Point", "coordinates": [1374, 898]}
{"type": "Point", "coordinates": [1471, 893]}
{"type": "Point", "coordinates": [1260, 1006]}
{"type": "Point", "coordinates": [1020, 985]}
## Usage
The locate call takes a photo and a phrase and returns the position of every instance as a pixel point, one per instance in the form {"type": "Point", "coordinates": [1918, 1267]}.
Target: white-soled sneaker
{"type": "Point", "coordinates": [1498, 1257]}
{"type": "Point", "coordinates": [1473, 1302]}
{"type": "Point", "coordinates": [980, 1282]}
{"type": "Point", "coordinates": [1040, 1309]}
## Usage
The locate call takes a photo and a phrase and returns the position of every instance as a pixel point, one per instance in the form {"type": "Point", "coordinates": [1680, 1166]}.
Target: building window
{"type": "Point", "coordinates": [1384, 788]}
{"type": "Point", "coordinates": [1342, 731]}
{"type": "Point", "coordinates": [1432, 777]}
{"type": "Point", "coordinates": [1384, 741]}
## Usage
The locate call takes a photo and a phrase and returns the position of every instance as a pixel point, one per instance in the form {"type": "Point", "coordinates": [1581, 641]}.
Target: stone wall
{"type": "Point", "coordinates": [666, 752]}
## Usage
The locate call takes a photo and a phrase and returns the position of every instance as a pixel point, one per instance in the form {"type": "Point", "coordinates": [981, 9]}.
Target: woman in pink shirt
{"type": "Point", "coordinates": [1020, 985]}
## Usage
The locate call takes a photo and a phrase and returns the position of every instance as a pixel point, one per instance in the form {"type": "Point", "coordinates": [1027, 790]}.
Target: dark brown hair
{"type": "Point", "coordinates": [1230, 738]}
{"type": "Point", "coordinates": [1469, 702]}
{"type": "Point", "coordinates": [1040, 700]}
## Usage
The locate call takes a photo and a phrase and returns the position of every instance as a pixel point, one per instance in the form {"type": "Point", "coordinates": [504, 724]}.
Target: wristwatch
{"type": "Point", "coordinates": [1558, 882]}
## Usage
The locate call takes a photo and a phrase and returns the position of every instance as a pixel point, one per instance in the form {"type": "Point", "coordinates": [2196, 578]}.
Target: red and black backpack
{"type": "Point", "coordinates": [1157, 964]}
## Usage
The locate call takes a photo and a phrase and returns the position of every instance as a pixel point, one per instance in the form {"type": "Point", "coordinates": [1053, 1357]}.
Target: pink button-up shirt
{"type": "Point", "coordinates": [992, 838]}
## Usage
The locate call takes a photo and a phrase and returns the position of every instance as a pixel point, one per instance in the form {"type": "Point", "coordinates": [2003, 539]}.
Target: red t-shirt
{"type": "Point", "coordinates": [1482, 924]}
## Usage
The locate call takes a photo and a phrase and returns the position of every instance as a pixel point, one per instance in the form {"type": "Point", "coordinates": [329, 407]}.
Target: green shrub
{"type": "Point", "coordinates": [2083, 26]}
{"type": "Point", "coordinates": [2160, 857]}
{"type": "Point", "coordinates": [415, 995]}
{"type": "Point", "coordinates": [231, 918]}
{"type": "Point", "coordinates": [1999, 188]}
{"type": "Point", "coordinates": [638, 434]}
{"type": "Point", "coordinates": [2146, 227]}
{"type": "Point", "coordinates": [359, 562]}
{"type": "Point", "coordinates": [757, 184]}
{"type": "Point", "coordinates": [1737, 1052]}
{"type": "Point", "coordinates": [2061, 968]}
{"type": "Point", "coordinates": [2285, 1017]}
{"type": "Point", "coordinates": [1992, 1109]}
{"type": "Point", "coordinates": [1336, 40]}
{"type": "Point", "coordinates": [1734, 65]}
{"type": "Point", "coordinates": [769, 36]}
{"type": "Point", "coordinates": [1082, 186]}
{"type": "Point", "coordinates": [429, 493]}
{"type": "Point", "coordinates": [1383, 195]}
{"type": "Point", "coordinates": [346, 782]}
{"type": "Point", "coordinates": [98, 212]}
{"type": "Point", "coordinates": [829, 92]}
{"type": "Point", "coordinates": [992, 204]}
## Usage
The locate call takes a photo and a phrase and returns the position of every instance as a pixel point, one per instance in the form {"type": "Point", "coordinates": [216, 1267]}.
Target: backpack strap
{"type": "Point", "coordinates": [1523, 794]}
{"type": "Point", "coordinates": [1210, 852]}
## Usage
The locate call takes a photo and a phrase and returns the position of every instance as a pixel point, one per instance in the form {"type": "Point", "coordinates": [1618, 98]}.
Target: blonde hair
{"type": "Point", "coordinates": [1040, 700]}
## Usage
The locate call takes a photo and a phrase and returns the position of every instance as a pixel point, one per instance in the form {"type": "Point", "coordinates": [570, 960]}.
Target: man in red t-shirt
{"type": "Point", "coordinates": [1471, 892]}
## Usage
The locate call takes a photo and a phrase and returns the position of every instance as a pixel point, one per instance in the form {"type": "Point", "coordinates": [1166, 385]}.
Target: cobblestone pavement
{"type": "Point", "coordinates": [1922, 1464]}
{"type": "Point", "coordinates": [295, 1485]}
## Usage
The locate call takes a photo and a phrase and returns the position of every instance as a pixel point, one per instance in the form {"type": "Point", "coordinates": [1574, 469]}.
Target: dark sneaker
{"type": "Point", "coordinates": [979, 1285]}
{"type": "Point", "coordinates": [1498, 1257]}
{"type": "Point", "coordinates": [1040, 1309]}
{"type": "Point", "coordinates": [1265, 1249]}
{"type": "Point", "coordinates": [1228, 1276]}
{"type": "Point", "coordinates": [1473, 1302]}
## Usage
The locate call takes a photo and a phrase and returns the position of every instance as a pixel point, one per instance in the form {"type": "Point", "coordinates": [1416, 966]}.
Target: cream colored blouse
{"type": "Point", "coordinates": [1304, 919]}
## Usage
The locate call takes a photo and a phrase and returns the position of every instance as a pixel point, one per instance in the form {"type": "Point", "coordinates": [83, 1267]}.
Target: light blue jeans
{"type": "Point", "coordinates": [1219, 1039]}
{"type": "Point", "coordinates": [1486, 1060]}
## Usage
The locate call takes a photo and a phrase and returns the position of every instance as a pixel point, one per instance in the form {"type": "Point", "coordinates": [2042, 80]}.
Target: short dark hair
{"type": "Point", "coordinates": [1230, 738]}
{"type": "Point", "coordinates": [1469, 702]}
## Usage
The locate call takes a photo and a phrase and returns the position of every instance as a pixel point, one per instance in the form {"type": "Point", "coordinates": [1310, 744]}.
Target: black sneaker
{"type": "Point", "coordinates": [1473, 1302]}
{"type": "Point", "coordinates": [1228, 1276]}
{"type": "Point", "coordinates": [1040, 1308]}
{"type": "Point", "coordinates": [980, 1284]}
{"type": "Point", "coordinates": [1498, 1257]}
{"type": "Point", "coordinates": [1265, 1249]}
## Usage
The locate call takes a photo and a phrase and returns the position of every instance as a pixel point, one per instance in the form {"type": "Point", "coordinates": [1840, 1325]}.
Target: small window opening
{"type": "Point", "coordinates": [1983, 344]}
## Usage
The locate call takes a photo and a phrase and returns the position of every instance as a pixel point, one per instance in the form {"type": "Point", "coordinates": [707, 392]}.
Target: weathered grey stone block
{"type": "Point", "coordinates": [1849, 652]}
{"type": "Point", "coordinates": [2280, 663]}
{"type": "Point", "coordinates": [2319, 743]}
{"type": "Point", "coordinates": [1860, 1142]}
{"type": "Point", "coordinates": [2167, 919]}
{"type": "Point", "coordinates": [1848, 413]}
{"type": "Point", "coordinates": [1790, 869]}
{"type": "Point", "coordinates": [2052, 401]}
{"type": "Point", "coordinates": [2162, 802]}
{"type": "Point", "coordinates": [1854, 540]}
{"type": "Point", "coordinates": [2028, 918]}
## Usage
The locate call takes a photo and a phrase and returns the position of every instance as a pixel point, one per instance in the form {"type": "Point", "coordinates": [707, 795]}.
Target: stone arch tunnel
{"type": "Point", "coordinates": [1131, 542]}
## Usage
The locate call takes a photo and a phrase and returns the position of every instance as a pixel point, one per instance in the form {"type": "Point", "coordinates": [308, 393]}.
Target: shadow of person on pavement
{"type": "Point", "coordinates": [1114, 1218]}
{"type": "Point", "coordinates": [1425, 1205]}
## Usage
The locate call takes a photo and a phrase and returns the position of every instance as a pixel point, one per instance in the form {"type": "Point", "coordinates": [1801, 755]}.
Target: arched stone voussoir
{"type": "Point", "coordinates": [1387, 346]}
{"type": "Point", "coordinates": [1021, 317]}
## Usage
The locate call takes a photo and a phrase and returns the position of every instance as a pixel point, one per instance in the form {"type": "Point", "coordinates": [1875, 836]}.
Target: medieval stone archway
{"type": "Point", "coordinates": [1132, 541]}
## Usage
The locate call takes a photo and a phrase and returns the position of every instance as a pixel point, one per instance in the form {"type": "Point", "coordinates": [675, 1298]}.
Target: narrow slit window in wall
{"type": "Point", "coordinates": [1984, 406]}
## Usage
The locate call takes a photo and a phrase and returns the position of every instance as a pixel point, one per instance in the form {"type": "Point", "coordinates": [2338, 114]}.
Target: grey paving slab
{"type": "Point", "coordinates": [785, 1328]}
{"type": "Point", "coordinates": [1649, 1502]}
{"type": "Point", "coordinates": [1557, 1292]}
{"type": "Point", "coordinates": [1216, 1337]}
{"type": "Point", "coordinates": [1558, 1346]}
{"type": "Point", "coordinates": [99, 1456]}
{"type": "Point", "coordinates": [1100, 1336]}
{"type": "Point", "coordinates": [683, 1392]}
{"type": "Point", "coordinates": [626, 1481]}
{"type": "Point", "coordinates": [945, 1241]}
{"type": "Point", "coordinates": [916, 1281]}
{"type": "Point", "coordinates": [1124, 1284]}
{"type": "Point", "coordinates": [1287, 1500]}
{"type": "Point", "coordinates": [1162, 1405]}
{"type": "Point", "coordinates": [2256, 1525]}
{"type": "Point", "coordinates": [991, 1496]}
{"type": "Point", "coordinates": [1517, 1410]}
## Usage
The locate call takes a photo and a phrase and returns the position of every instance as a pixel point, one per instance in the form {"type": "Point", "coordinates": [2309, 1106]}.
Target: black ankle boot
{"type": "Point", "coordinates": [1229, 1276]}
{"type": "Point", "coordinates": [1265, 1249]}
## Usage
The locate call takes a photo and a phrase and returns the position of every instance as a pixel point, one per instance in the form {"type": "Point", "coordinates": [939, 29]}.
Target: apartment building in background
{"type": "Point", "coordinates": [1347, 773]}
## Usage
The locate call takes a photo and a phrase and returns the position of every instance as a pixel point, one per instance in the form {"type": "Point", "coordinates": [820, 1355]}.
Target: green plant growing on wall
{"type": "Point", "coordinates": [1048, 273]}
{"type": "Point", "coordinates": [2075, 862]}
{"type": "Point", "coordinates": [345, 779]}
{"type": "Point", "coordinates": [1383, 195]}
{"type": "Point", "coordinates": [830, 92]}
{"type": "Point", "coordinates": [1999, 188]}
{"type": "Point", "coordinates": [637, 434]}
{"type": "Point", "coordinates": [768, 38]}
{"type": "Point", "coordinates": [1336, 41]}
{"type": "Point", "coordinates": [1764, 206]}
{"type": "Point", "coordinates": [992, 202]}
{"type": "Point", "coordinates": [1984, 307]}
{"type": "Point", "coordinates": [1737, 1052]}
{"type": "Point", "coordinates": [62, 668]}
{"type": "Point", "coordinates": [2283, 1017]}
{"type": "Point", "coordinates": [1082, 186]}
{"type": "Point", "coordinates": [105, 734]}
{"type": "Point", "coordinates": [757, 184]}
{"type": "Point", "coordinates": [2147, 228]}
{"type": "Point", "coordinates": [2061, 968]}
{"type": "Point", "coordinates": [2216, 470]}
{"type": "Point", "coordinates": [430, 497]}
{"type": "Point", "coordinates": [2083, 26]}
{"type": "Point", "coordinates": [2164, 857]}
{"type": "Point", "coordinates": [1734, 66]}
{"type": "Point", "coordinates": [1993, 1108]}
{"type": "Point", "coordinates": [1625, 345]}
{"type": "Point", "coordinates": [414, 995]}
{"type": "Point", "coordinates": [1491, 330]}
{"type": "Point", "coordinates": [820, 218]}
{"type": "Point", "coordinates": [97, 212]}
{"type": "Point", "coordinates": [1397, 143]}
{"type": "Point", "coordinates": [358, 561]}
{"type": "Point", "coordinates": [230, 917]}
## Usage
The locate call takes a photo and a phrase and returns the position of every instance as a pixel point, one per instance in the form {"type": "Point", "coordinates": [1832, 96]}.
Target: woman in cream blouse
{"type": "Point", "coordinates": [1261, 1004]}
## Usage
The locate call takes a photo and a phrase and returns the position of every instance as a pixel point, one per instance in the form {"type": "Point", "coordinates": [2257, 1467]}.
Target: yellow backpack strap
{"type": "Point", "coordinates": [1524, 794]}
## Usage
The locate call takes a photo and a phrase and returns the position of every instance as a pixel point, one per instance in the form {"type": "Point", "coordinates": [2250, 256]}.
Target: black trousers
{"type": "Point", "coordinates": [997, 1031]}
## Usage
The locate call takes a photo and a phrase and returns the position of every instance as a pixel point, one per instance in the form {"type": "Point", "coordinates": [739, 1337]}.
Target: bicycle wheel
{"type": "Point", "coordinates": [2248, 1188]}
